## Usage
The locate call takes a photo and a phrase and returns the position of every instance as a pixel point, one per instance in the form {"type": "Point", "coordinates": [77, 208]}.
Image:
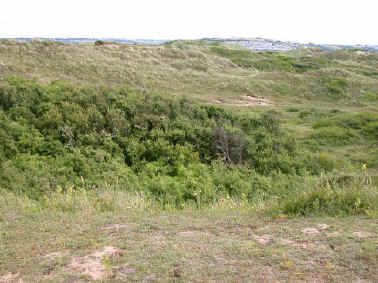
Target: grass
{"type": "Point", "coordinates": [228, 241]}
{"type": "Point", "coordinates": [203, 71]}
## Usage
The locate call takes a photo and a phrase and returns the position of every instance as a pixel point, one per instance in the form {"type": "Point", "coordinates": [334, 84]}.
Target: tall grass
{"type": "Point", "coordinates": [332, 195]}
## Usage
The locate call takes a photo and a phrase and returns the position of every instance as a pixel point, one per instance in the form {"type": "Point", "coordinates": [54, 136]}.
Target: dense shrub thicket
{"type": "Point", "coordinates": [55, 137]}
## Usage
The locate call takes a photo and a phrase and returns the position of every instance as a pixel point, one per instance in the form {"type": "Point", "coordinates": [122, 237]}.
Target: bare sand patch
{"type": "Point", "coordinates": [247, 100]}
{"type": "Point", "coordinates": [323, 226]}
{"type": "Point", "coordinates": [11, 277]}
{"type": "Point", "coordinates": [193, 234]}
{"type": "Point", "coordinates": [92, 266]}
{"type": "Point", "coordinates": [124, 271]}
{"type": "Point", "coordinates": [310, 231]}
{"type": "Point", "coordinates": [114, 227]}
{"type": "Point", "coordinates": [360, 52]}
{"type": "Point", "coordinates": [55, 255]}
{"type": "Point", "coordinates": [333, 234]}
{"type": "Point", "coordinates": [362, 234]}
{"type": "Point", "coordinates": [264, 239]}
{"type": "Point", "coordinates": [284, 241]}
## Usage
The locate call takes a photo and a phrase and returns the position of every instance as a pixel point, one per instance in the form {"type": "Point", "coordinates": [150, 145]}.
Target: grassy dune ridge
{"type": "Point", "coordinates": [204, 71]}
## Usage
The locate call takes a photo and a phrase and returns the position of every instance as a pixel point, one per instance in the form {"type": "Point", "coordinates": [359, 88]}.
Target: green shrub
{"type": "Point", "coordinates": [371, 96]}
{"type": "Point", "coordinates": [242, 58]}
{"type": "Point", "coordinates": [329, 202]}
{"type": "Point", "coordinates": [365, 123]}
{"type": "Point", "coordinates": [100, 42]}
{"type": "Point", "coordinates": [327, 162]}
{"type": "Point", "coordinates": [57, 136]}
{"type": "Point", "coordinates": [334, 136]}
{"type": "Point", "coordinates": [336, 87]}
{"type": "Point", "coordinates": [371, 130]}
{"type": "Point", "coordinates": [292, 109]}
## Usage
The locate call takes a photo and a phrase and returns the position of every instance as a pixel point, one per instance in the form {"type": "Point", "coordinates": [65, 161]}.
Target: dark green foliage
{"type": "Point", "coordinates": [370, 72]}
{"type": "Point", "coordinates": [60, 136]}
{"type": "Point", "coordinates": [103, 42]}
{"type": "Point", "coordinates": [308, 63]}
{"type": "Point", "coordinates": [292, 109]}
{"type": "Point", "coordinates": [336, 87]}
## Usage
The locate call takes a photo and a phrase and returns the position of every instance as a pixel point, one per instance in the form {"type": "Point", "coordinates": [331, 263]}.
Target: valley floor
{"type": "Point", "coordinates": [212, 245]}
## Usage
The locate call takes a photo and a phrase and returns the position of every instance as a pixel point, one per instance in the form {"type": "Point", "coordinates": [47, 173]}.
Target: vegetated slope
{"type": "Point", "coordinates": [58, 136]}
{"type": "Point", "coordinates": [66, 135]}
{"type": "Point", "coordinates": [304, 85]}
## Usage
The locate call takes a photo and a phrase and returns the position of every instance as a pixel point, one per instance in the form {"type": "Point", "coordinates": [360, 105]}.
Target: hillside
{"type": "Point", "coordinates": [305, 85]}
{"type": "Point", "coordinates": [215, 161]}
{"type": "Point", "coordinates": [204, 71]}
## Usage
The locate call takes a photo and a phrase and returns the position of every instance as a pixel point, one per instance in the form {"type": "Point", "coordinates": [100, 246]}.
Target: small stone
{"type": "Point", "coordinates": [361, 234]}
{"type": "Point", "coordinates": [323, 226]}
{"type": "Point", "coordinates": [127, 270]}
{"type": "Point", "coordinates": [333, 234]}
{"type": "Point", "coordinates": [286, 242]}
{"type": "Point", "coordinates": [114, 227]}
{"type": "Point", "coordinates": [177, 272]}
{"type": "Point", "coordinates": [264, 239]}
{"type": "Point", "coordinates": [310, 231]}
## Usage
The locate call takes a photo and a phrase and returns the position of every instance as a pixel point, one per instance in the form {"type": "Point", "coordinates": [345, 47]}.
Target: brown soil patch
{"type": "Point", "coordinates": [91, 265]}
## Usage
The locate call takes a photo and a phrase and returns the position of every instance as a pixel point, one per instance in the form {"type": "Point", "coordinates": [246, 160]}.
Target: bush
{"type": "Point", "coordinates": [371, 130]}
{"type": "Point", "coordinates": [365, 123]}
{"type": "Point", "coordinates": [336, 87]}
{"type": "Point", "coordinates": [57, 136]}
{"type": "Point", "coordinates": [242, 58]}
{"type": "Point", "coordinates": [329, 202]}
{"type": "Point", "coordinates": [99, 42]}
{"type": "Point", "coordinates": [334, 136]}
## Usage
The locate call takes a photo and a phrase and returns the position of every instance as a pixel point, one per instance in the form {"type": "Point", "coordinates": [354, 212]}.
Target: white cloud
{"type": "Point", "coordinates": [322, 21]}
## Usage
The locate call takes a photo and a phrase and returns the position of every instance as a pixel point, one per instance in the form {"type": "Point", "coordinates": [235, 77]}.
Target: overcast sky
{"type": "Point", "coordinates": [318, 21]}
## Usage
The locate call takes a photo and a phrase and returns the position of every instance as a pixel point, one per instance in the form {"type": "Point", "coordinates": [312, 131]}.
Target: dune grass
{"type": "Point", "coordinates": [111, 235]}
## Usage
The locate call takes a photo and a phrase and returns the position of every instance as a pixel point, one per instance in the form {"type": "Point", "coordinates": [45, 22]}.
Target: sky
{"type": "Point", "coordinates": [317, 21]}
